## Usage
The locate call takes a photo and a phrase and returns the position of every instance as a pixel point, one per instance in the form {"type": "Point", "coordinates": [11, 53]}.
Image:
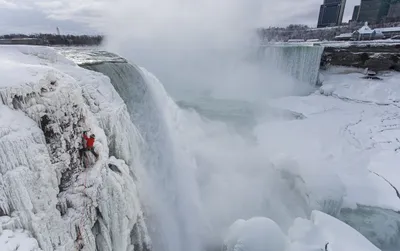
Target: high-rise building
{"type": "Point", "coordinates": [373, 11]}
{"type": "Point", "coordinates": [356, 11]}
{"type": "Point", "coordinates": [331, 13]}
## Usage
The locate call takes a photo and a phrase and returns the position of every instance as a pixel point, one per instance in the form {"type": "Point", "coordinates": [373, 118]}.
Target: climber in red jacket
{"type": "Point", "coordinates": [89, 145]}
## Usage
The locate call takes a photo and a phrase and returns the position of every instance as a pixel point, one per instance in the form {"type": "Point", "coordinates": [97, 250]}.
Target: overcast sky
{"type": "Point", "coordinates": [87, 16]}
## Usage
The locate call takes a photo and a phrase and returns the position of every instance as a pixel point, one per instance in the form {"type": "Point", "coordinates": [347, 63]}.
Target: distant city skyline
{"type": "Point", "coordinates": [371, 11]}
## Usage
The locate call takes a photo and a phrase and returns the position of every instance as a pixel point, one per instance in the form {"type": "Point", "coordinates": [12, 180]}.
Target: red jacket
{"type": "Point", "coordinates": [89, 141]}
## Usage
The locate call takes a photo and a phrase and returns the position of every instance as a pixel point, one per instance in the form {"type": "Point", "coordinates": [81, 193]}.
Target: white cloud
{"type": "Point", "coordinates": [12, 4]}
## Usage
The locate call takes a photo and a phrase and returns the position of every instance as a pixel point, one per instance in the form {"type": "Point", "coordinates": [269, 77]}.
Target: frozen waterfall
{"type": "Point", "coordinates": [171, 191]}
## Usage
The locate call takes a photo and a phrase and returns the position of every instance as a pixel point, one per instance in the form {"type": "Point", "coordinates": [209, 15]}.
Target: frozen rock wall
{"type": "Point", "coordinates": [376, 57]}
{"type": "Point", "coordinates": [46, 101]}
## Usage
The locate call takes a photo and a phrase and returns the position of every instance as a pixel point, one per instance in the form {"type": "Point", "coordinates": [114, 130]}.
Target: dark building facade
{"type": "Point", "coordinates": [356, 11]}
{"type": "Point", "coordinates": [331, 13]}
{"type": "Point", "coordinates": [394, 11]}
{"type": "Point", "coordinates": [373, 11]}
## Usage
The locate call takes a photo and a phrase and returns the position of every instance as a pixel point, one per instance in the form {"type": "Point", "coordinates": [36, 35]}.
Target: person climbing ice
{"type": "Point", "coordinates": [89, 145]}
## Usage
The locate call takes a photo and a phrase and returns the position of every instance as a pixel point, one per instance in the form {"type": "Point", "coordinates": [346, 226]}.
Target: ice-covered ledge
{"type": "Point", "coordinates": [46, 101]}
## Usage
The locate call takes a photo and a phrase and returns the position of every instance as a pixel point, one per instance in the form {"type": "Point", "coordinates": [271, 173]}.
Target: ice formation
{"type": "Point", "coordinates": [255, 234]}
{"type": "Point", "coordinates": [46, 194]}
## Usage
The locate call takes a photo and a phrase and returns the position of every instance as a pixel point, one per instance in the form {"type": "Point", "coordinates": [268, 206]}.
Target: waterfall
{"type": "Point", "coordinates": [301, 61]}
{"type": "Point", "coordinates": [171, 187]}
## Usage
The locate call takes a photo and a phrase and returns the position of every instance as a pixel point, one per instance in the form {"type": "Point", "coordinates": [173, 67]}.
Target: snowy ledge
{"type": "Point", "coordinates": [48, 200]}
{"type": "Point", "coordinates": [321, 232]}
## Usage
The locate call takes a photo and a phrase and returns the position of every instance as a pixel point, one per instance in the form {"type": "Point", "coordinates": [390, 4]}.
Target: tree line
{"type": "Point", "coordinates": [53, 39]}
{"type": "Point", "coordinates": [295, 31]}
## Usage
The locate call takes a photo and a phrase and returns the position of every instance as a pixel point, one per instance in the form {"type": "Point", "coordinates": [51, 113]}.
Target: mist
{"type": "Point", "coordinates": [207, 47]}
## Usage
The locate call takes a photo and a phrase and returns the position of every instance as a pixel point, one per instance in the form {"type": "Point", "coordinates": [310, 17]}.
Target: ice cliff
{"type": "Point", "coordinates": [48, 199]}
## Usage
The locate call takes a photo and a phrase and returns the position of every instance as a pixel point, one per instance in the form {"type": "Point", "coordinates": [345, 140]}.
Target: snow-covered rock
{"type": "Point", "coordinates": [46, 102]}
{"type": "Point", "coordinates": [28, 180]}
{"type": "Point", "coordinates": [323, 232]}
{"type": "Point", "coordinates": [255, 234]}
{"type": "Point", "coordinates": [120, 211]}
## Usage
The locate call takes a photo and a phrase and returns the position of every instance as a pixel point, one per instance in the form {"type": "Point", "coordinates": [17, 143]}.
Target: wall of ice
{"type": "Point", "coordinates": [300, 61]}
{"type": "Point", "coordinates": [47, 198]}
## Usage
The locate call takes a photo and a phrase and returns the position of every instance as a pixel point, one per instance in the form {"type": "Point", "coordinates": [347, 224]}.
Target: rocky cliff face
{"type": "Point", "coordinates": [374, 57]}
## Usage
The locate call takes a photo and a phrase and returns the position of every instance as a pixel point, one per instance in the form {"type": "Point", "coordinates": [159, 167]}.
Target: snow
{"type": "Point", "coordinates": [323, 232]}
{"type": "Point", "coordinates": [348, 128]}
{"type": "Point", "coordinates": [19, 240]}
{"type": "Point", "coordinates": [365, 29]}
{"type": "Point", "coordinates": [27, 180]}
{"type": "Point", "coordinates": [345, 35]}
{"type": "Point", "coordinates": [350, 162]}
{"type": "Point", "coordinates": [388, 29]}
{"type": "Point", "coordinates": [350, 86]}
{"type": "Point", "coordinates": [51, 200]}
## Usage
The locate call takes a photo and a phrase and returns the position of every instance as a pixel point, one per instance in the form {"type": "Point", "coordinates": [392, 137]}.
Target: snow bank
{"type": "Point", "coordinates": [13, 237]}
{"type": "Point", "coordinates": [323, 232]}
{"type": "Point", "coordinates": [345, 150]}
{"type": "Point", "coordinates": [46, 103]}
{"type": "Point", "coordinates": [346, 136]}
{"type": "Point", "coordinates": [320, 232]}
{"type": "Point", "coordinates": [352, 87]}
{"type": "Point", "coordinates": [19, 240]}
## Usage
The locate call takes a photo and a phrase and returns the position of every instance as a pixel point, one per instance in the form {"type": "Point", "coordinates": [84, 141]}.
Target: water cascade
{"type": "Point", "coordinates": [301, 61]}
